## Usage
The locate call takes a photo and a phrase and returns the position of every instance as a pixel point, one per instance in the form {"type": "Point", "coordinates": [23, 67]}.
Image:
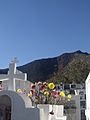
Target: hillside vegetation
{"type": "Point", "coordinates": [66, 68]}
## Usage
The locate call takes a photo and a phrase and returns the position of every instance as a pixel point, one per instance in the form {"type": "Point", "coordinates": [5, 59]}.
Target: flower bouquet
{"type": "Point", "coordinates": [46, 93]}
{"type": "Point", "coordinates": [42, 93]}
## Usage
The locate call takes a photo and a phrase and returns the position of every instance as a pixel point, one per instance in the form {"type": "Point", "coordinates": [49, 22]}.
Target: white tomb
{"type": "Point", "coordinates": [87, 112]}
{"type": "Point", "coordinates": [18, 106]}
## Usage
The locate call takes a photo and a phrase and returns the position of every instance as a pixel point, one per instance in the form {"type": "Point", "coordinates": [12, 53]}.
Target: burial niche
{"type": "Point", "coordinates": [5, 107]}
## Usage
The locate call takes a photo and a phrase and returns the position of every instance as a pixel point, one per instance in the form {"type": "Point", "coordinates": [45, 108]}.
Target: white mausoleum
{"type": "Point", "coordinates": [87, 112]}
{"type": "Point", "coordinates": [14, 106]}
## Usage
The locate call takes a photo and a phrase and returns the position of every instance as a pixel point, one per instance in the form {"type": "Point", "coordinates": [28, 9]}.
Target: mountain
{"type": "Point", "coordinates": [67, 68]}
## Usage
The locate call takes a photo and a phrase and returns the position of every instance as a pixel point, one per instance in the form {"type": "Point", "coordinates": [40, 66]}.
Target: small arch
{"type": "Point", "coordinates": [5, 107]}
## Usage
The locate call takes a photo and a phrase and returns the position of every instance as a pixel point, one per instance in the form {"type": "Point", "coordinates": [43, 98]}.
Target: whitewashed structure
{"type": "Point", "coordinates": [57, 110]}
{"type": "Point", "coordinates": [87, 112]}
{"type": "Point", "coordinates": [14, 106]}
{"type": "Point", "coordinates": [13, 75]}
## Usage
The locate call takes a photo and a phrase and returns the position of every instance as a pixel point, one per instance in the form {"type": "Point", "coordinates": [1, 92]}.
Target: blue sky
{"type": "Point", "coordinates": [35, 29]}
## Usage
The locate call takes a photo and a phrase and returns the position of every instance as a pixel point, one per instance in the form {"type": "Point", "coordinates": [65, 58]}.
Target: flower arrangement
{"type": "Point", "coordinates": [46, 93]}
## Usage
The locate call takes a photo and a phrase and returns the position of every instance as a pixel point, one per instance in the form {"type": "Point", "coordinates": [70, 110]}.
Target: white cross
{"type": "Point", "coordinates": [12, 75]}
{"type": "Point", "coordinates": [15, 60]}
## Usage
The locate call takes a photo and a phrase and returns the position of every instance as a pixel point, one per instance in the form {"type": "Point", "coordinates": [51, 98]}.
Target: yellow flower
{"type": "Point", "coordinates": [69, 96]}
{"type": "Point", "coordinates": [51, 86]}
{"type": "Point", "coordinates": [29, 94]}
{"type": "Point", "coordinates": [62, 94]}
{"type": "Point", "coordinates": [19, 90]}
{"type": "Point", "coordinates": [46, 93]}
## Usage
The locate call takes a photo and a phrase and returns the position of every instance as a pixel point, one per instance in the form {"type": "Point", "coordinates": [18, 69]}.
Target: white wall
{"type": "Point", "coordinates": [74, 114]}
{"type": "Point", "coordinates": [21, 108]}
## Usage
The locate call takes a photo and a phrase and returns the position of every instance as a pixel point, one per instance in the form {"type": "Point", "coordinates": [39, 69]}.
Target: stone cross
{"type": "Point", "coordinates": [9, 79]}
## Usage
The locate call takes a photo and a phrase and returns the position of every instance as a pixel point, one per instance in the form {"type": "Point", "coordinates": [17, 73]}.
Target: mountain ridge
{"type": "Point", "coordinates": [68, 67]}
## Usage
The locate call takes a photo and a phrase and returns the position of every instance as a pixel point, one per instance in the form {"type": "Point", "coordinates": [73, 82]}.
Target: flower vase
{"type": "Point", "coordinates": [56, 110]}
{"type": "Point", "coordinates": [47, 108]}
